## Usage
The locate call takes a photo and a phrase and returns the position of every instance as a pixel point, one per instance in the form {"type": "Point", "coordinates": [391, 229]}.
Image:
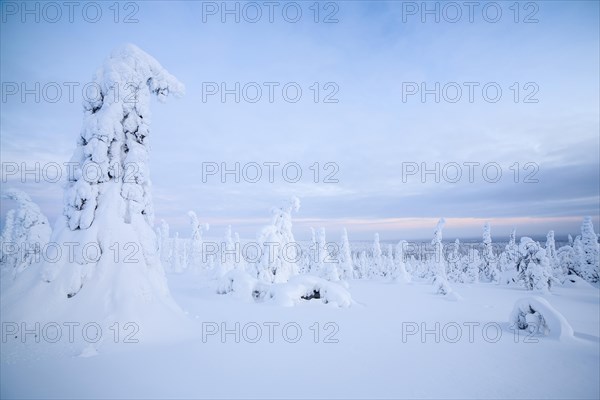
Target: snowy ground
{"type": "Point", "coordinates": [365, 351]}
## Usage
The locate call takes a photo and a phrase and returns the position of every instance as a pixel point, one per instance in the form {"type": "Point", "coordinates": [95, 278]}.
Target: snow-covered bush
{"type": "Point", "coordinates": [26, 232]}
{"type": "Point", "coordinates": [243, 286]}
{"type": "Point", "coordinates": [308, 287]}
{"type": "Point", "coordinates": [536, 316]}
{"type": "Point", "coordinates": [298, 289]}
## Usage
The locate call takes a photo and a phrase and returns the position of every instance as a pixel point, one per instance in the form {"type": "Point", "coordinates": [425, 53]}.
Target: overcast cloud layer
{"type": "Point", "coordinates": [370, 136]}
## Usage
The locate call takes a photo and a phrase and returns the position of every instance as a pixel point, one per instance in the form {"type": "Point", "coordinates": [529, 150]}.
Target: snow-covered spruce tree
{"type": "Point", "coordinates": [376, 267]}
{"type": "Point", "coordinates": [566, 260]}
{"type": "Point", "coordinates": [454, 263]}
{"type": "Point", "coordinates": [278, 259]}
{"type": "Point", "coordinates": [490, 263]}
{"type": "Point", "coordinates": [346, 266]}
{"type": "Point", "coordinates": [313, 254]}
{"type": "Point", "coordinates": [389, 267]}
{"type": "Point", "coordinates": [363, 265]}
{"type": "Point", "coordinates": [26, 233]}
{"type": "Point", "coordinates": [557, 270]}
{"type": "Point", "coordinates": [240, 263]}
{"type": "Point", "coordinates": [321, 254]}
{"type": "Point", "coordinates": [327, 264]}
{"type": "Point", "coordinates": [108, 204]}
{"type": "Point", "coordinates": [195, 259]}
{"type": "Point", "coordinates": [229, 255]}
{"type": "Point", "coordinates": [176, 260]}
{"type": "Point", "coordinates": [165, 246]}
{"type": "Point", "coordinates": [437, 264]}
{"type": "Point", "coordinates": [533, 266]}
{"type": "Point", "coordinates": [400, 273]}
{"type": "Point", "coordinates": [589, 258]}
{"type": "Point", "coordinates": [471, 265]}
{"type": "Point", "coordinates": [508, 260]}
{"type": "Point", "coordinates": [6, 241]}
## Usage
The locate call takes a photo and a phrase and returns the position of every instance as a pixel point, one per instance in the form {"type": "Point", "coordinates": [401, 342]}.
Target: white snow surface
{"type": "Point", "coordinates": [366, 351]}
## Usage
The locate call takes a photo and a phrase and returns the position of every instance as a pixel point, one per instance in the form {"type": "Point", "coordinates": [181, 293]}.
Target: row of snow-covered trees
{"type": "Point", "coordinates": [275, 256]}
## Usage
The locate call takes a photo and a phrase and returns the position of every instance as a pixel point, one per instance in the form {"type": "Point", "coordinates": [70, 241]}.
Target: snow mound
{"type": "Point", "coordinates": [536, 315]}
{"type": "Point", "coordinates": [576, 282]}
{"type": "Point", "coordinates": [298, 289]}
{"type": "Point", "coordinates": [242, 286]}
{"type": "Point", "coordinates": [308, 287]}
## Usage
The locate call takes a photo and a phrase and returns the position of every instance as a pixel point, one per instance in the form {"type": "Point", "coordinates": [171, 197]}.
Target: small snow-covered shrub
{"type": "Point", "coordinates": [307, 287]}
{"type": "Point", "coordinates": [298, 289]}
{"type": "Point", "coordinates": [536, 315]}
{"type": "Point", "coordinates": [243, 286]}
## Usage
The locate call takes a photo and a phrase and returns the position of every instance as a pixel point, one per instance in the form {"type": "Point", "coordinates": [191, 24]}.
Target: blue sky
{"type": "Point", "coordinates": [370, 133]}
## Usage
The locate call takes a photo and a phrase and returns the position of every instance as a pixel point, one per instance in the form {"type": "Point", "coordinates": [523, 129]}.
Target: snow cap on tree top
{"type": "Point", "coordinates": [130, 64]}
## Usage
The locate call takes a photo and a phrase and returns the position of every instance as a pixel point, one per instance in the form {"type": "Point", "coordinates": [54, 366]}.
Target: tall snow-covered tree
{"type": "Point", "coordinates": [454, 263]}
{"type": "Point", "coordinates": [471, 266]}
{"type": "Point", "coordinates": [363, 265]}
{"type": "Point", "coordinates": [567, 261]}
{"type": "Point", "coordinates": [508, 260]}
{"type": "Point", "coordinates": [327, 264]}
{"type": "Point", "coordinates": [26, 233]}
{"type": "Point", "coordinates": [278, 260]}
{"type": "Point", "coordinates": [108, 203]}
{"type": "Point", "coordinates": [376, 267]}
{"type": "Point", "coordinates": [241, 262]}
{"type": "Point", "coordinates": [6, 241]}
{"type": "Point", "coordinates": [195, 255]}
{"type": "Point", "coordinates": [229, 256]}
{"type": "Point", "coordinates": [589, 257]}
{"type": "Point", "coordinates": [389, 265]}
{"type": "Point", "coordinates": [437, 264]}
{"type": "Point", "coordinates": [164, 241]}
{"type": "Point", "coordinates": [550, 248]}
{"type": "Point", "coordinates": [490, 263]}
{"type": "Point", "coordinates": [533, 266]}
{"type": "Point", "coordinates": [346, 267]}
{"type": "Point", "coordinates": [400, 273]}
